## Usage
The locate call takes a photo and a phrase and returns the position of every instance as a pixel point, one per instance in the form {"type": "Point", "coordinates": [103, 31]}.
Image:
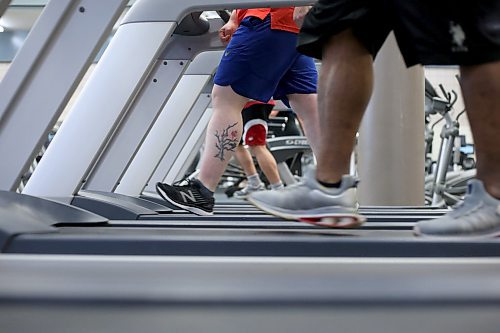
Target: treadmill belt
{"type": "Point", "coordinates": [202, 241]}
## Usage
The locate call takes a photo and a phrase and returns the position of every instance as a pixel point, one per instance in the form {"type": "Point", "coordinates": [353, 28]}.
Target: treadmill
{"type": "Point", "coordinates": [63, 268]}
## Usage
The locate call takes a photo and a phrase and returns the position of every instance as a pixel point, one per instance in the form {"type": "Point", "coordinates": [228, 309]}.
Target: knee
{"type": "Point", "coordinates": [224, 97]}
{"type": "Point", "coordinates": [256, 150]}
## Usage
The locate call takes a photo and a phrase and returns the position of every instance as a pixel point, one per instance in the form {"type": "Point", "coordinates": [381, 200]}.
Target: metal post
{"type": "Point", "coordinates": [190, 132]}
{"type": "Point", "coordinates": [44, 74]}
{"type": "Point", "coordinates": [162, 134]}
{"type": "Point", "coordinates": [168, 135]}
{"type": "Point", "coordinates": [181, 52]}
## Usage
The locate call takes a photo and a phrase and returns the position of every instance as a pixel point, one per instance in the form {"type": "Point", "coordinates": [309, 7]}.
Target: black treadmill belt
{"type": "Point", "coordinates": [251, 242]}
{"type": "Point", "coordinates": [255, 234]}
{"type": "Point", "coordinates": [306, 231]}
{"type": "Point", "coordinates": [249, 224]}
{"type": "Point", "coordinates": [236, 216]}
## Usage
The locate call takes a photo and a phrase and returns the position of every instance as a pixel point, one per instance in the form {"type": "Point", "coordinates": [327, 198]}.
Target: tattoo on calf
{"type": "Point", "coordinates": [227, 140]}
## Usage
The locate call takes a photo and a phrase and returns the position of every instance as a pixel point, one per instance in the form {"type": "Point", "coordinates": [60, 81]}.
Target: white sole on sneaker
{"type": "Point", "coordinates": [342, 220]}
{"type": "Point", "coordinates": [494, 234]}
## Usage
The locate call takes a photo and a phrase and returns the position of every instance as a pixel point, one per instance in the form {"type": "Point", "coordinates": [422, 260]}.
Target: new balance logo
{"type": "Point", "coordinates": [185, 196]}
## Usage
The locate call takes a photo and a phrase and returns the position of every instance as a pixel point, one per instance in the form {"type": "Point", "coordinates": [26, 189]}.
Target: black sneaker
{"type": "Point", "coordinates": [189, 194]}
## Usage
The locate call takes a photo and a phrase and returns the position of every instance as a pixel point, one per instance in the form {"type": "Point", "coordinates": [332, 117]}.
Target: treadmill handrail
{"type": "Point", "coordinates": [174, 10]}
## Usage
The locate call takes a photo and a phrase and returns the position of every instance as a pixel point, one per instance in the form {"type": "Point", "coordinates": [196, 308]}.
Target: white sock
{"type": "Point", "coordinates": [277, 186]}
{"type": "Point", "coordinates": [254, 180]}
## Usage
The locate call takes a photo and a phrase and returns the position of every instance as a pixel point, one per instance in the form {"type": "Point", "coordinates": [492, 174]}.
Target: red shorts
{"type": "Point", "coordinates": [255, 132]}
{"type": "Point", "coordinates": [255, 118]}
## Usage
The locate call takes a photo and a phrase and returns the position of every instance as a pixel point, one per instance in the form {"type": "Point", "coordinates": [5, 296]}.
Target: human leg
{"type": "Point", "coordinates": [255, 118]}
{"type": "Point", "coordinates": [481, 91]}
{"type": "Point", "coordinates": [245, 159]}
{"type": "Point", "coordinates": [244, 70]}
{"type": "Point", "coordinates": [306, 108]}
{"type": "Point", "coordinates": [479, 214]}
{"type": "Point", "coordinates": [470, 32]}
{"type": "Point", "coordinates": [267, 163]}
{"type": "Point", "coordinates": [223, 134]}
{"type": "Point", "coordinates": [347, 48]}
{"type": "Point", "coordinates": [222, 138]}
{"type": "Point", "coordinates": [254, 183]}
{"type": "Point", "coordinates": [344, 90]}
{"type": "Point", "coordinates": [298, 88]}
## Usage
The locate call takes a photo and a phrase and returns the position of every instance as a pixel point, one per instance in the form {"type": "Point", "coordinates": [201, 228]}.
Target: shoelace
{"type": "Point", "coordinates": [186, 182]}
{"type": "Point", "coordinates": [463, 207]}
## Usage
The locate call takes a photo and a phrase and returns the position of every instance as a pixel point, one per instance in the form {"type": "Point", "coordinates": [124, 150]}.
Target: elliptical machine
{"type": "Point", "coordinates": [445, 187]}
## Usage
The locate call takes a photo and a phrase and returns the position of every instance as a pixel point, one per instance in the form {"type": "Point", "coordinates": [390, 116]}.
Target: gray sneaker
{"type": "Point", "coordinates": [309, 201]}
{"type": "Point", "coordinates": [477, 216]}
{"type": "Point", "coordinates": [244, 192]}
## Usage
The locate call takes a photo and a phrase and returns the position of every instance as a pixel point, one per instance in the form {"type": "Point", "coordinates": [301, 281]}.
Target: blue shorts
{"type": "Point", "coordinates": [260, 63]}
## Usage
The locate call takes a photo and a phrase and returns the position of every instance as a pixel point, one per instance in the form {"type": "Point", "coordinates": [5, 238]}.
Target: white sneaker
{"type": "Point", "coordinates": [309, 201]}
{"type": "Point", "coordinates": [477, 216]}
{"type": "Point", "coordinates": [244, 192]}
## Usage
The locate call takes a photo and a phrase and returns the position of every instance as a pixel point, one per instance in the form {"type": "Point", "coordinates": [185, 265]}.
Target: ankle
{"type": "Point", "coordinates": [205, 190]}
{"type": "Point", "coordinates": [328, 178]}
{"type": "Point", "coordinates": [493, 190]}
{"type": "Point", "coordinates": [207, 182]}
{"type": "Point", "coordinates": [336, 184]}
{"type": "Point", "coordinates": [254, 180]}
